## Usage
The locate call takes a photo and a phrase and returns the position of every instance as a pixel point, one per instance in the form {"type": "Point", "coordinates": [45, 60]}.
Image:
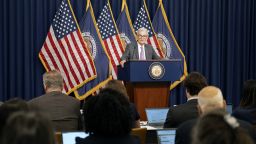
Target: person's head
{"type": "Point", "coordinates": [53, 81]}
{"type": "Point", "coordinates": [142, 36]}
{"type": "Point", "coordinates": [218, 127]}
{"type": "Point", "coordinates": [249, 94]}
{"type": "Point", "coordinates": [28, 128]}
{"type": "Point", "coordinates": [10, 107]}
{"type": "Point", "coordinates": [118, 86]}
{"type": "Point", "coordinates": [210, 98]}
{"type": "Point", "coordinates": [108, 114]}
{"type": "Point", "coordinates": [193, 83]}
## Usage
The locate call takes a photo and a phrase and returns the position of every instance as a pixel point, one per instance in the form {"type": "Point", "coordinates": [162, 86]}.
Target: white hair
{"type": "Point", "coordinates": [142, 29]}
{"type": "Point", "coordinates": [210, 98]}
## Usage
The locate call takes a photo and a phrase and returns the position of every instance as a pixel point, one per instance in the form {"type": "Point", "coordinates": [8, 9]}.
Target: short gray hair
{"type": "Point", "coordinates": [53, 79]}
{"type": "Point", "coordinates": [142, 29]}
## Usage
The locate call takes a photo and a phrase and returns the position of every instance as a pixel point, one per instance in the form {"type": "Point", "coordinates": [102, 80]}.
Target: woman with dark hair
{"type": "Point", "coordinates": [27, 128]}
{"type": "Point", "coordinates": [247, 109]}
{"type": "Point", "coordinates": [218, 127]}
{"type": "Point", "coordinates": [118, 86]}
{"type": "Point", "coordinates": [107, 119]}
{"type": "Point", "coordinates": [10, 107]}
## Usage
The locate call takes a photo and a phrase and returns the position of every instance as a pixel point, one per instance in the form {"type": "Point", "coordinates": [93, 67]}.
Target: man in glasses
{"type": "Point", "coordinates": [140, 50]}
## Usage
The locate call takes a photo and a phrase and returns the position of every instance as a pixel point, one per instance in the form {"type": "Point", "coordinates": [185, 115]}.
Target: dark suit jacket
{"type": "Point", "coordinates": [131, 52]}
{"type": "Point", "coordinates": [63, 110]}
{"type": "Point", "coordinates": [107, 140]}
{"type": "Point", "coordinates": [247, 114]}
{"type": "Point", "coordinates": [184, 131]}
{"type": "Point", "coordinates": [181, 113]}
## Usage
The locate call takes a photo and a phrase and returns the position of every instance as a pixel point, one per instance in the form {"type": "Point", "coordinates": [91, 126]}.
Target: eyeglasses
{"type": "Point", "coordinates": [142, 36]}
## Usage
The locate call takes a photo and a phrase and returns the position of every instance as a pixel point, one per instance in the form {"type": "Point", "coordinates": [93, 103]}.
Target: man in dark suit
{"type": "Point", "coordinates": [140, 50]}
{"type": "Point", "coordinates": [63, 110]}
{"type": "Point", "coordinates": [193, 83]}
{"type": "Point", "coordinates": [209, 98]}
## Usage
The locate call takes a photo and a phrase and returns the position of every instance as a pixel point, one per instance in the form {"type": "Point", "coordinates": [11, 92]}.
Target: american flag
{"type": "Point", "coordinates": [64, 50]}
{"type": "Point", "coordinates": [143, 20]}
{"type": "Point", "coordinates": [110, 37]}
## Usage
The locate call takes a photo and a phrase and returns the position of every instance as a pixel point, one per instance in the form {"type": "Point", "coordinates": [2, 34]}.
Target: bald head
{"type": "Point", "coordinates": [210, 98]}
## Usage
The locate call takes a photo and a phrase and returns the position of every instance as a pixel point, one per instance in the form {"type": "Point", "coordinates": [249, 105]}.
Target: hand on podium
{"type": "Point", "coordinates": [122, 63]}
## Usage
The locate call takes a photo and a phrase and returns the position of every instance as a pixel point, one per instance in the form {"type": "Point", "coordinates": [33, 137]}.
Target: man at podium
{"type": "Point", "coordinates": [140, 50]}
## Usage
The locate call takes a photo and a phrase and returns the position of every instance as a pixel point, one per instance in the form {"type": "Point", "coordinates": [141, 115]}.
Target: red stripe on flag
{"type": "Point", "coordinates": [45, 46]}
{"type": "Point", "coordinates": [157, 46]}
{"type": "Point", "coordinates": [88, 55]}
{"type": "Point", "coordinates": [48, 67]}
{"type": "Point", "coordinates": [109, 53]}
{"type": "Point", "coordinates": [59, 58]}
{"type": "Point", "coordinates": [81, 57]}
{"type": "Point", "coordinates": [120, 44]}
{"type": "Point", "coordinates": [149, 42]}
{"type": "Point", "coordinates": [73, 57]}
{"type": "Point", "coordinates": [44, 59]}
{"type": "Point", "coordinates": [115, 50]}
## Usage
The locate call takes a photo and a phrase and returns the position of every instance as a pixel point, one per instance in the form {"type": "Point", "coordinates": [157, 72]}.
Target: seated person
{"type": "Point", "coordinates": [193, 83]}
{"type": "Point", "coordinates": [117, 85]}
{"type": "Point", "coordinates": [28, 128]}
{"type": "Point", "coordinates": [247, 109]}
{"type": "Point", "coordinates": [218, 127]}
{"type": "Point", "coordinates": [210, 98]}
{"type": "Point", "coordinates": [107, 119]}
{"type": "Point", "coordinates": [63, 110]}
{"type": "Point", "coordinates": [10, 107]}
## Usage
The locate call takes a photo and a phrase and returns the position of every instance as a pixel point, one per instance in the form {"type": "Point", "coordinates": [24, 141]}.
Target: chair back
{"type": "Point", "coordinates": [58, 137]}
{"type": "Point", "coordinates": [141, 133]}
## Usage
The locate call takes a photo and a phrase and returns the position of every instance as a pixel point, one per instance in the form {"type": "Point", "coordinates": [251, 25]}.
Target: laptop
{"type": "Point", "coordinates": [166, 136]}
{"type": "Point", "coordinates": [70, 137]}
{"type": "Point", "coordinates": [229, 108]}
{"type": "Point", "coordinates": [156, 116]}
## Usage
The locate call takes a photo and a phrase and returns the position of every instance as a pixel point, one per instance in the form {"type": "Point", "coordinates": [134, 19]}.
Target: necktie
{"type": "Point", "coordinates": [142, 53]}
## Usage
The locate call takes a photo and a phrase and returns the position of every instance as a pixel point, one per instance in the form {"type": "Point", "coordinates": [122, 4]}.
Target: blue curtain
{"type": "Point", "coordinates": [218, 38]}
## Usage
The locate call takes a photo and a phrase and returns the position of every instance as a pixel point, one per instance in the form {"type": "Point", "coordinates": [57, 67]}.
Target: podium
{"type": "Point", "coordinates": [148, 82]}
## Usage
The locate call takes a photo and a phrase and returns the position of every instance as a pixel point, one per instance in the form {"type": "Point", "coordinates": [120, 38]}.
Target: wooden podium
{"type": "Point", "coordinates": [146, 89]}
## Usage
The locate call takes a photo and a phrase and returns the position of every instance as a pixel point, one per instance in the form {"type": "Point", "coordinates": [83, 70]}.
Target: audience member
{"type": "Point", "coordinates": [107, 119]}
{"type": "Point", "coordinates": [118, 86]}
{"type": "Point", "coordinates": [247, 109]}
{"type": "Point", "coordinates": [10, 107]}
{"type": "Point", "coordinates": [193, 83]}
{"type": "Point", "coordinates": [27, 128]}
{"type": "Point", "coordinates": [218, 127]}
{"type": "Point", "coordinates": [209, 98]}
{"type": "Point", "coordinates": [63, 110]}
{"type": "Point", "coordinates": [1, 103]}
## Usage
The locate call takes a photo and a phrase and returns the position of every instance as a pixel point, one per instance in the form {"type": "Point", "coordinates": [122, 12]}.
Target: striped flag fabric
{"type": "Point", "coordinates": [110, 37]}
{"type": "Point", "coordinates": [125, 27]}
{"type": "Point", "coordinates": [64, 50]}
{"type": "Point", "coordinates": [168, 42]}
{"type": "Point", "coordinates": [94, 42]}
{"type": "Point", "coordinates": [143, 20]}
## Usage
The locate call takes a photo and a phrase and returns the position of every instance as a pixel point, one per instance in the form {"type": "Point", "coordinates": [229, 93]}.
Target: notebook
{"type": "Point", "coordinates": [156, 116]}
{"type": "Point", "coordinates": [229, 108]}
{"type": "Point", "coordinates": [70, 137]}
{"type": "Point", "coordinates": [166, 136]}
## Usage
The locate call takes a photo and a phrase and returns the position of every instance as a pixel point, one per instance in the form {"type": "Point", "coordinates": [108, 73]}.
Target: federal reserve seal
{"type": "Point", "coordinates": [156, 70]}
{"type": "Point", "coordinates": [90, 43]}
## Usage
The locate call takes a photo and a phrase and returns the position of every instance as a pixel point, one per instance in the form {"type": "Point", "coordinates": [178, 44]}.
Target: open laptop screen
{"type": "Point", "coordinates": [166, 136]}
{"type": "Point", "coordinates": [70, 137]}
{"type": "Point", "coordinates": [156, 116]}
